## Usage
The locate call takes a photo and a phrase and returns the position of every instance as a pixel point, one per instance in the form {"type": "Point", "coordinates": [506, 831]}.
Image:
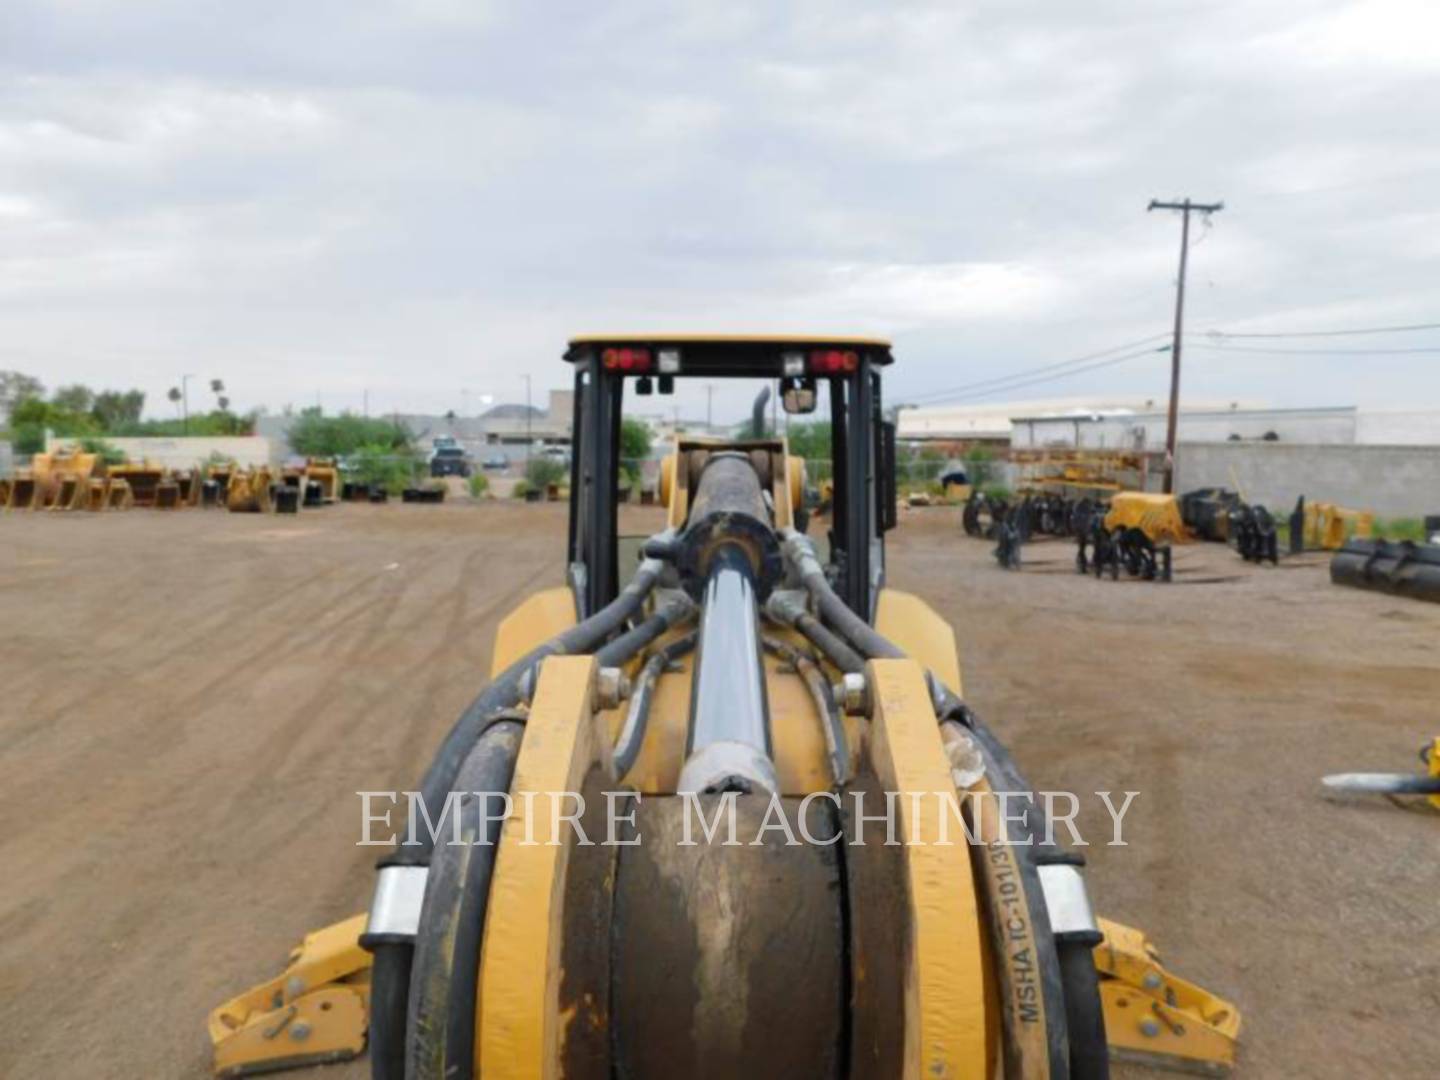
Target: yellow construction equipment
{"type": "Point", "coordinates": [142, 478]}
{"type": "Point", "coordinates": [1393, 785]}
{"type": "Point", "coordinates": [326, 473]}
{"type": "Point", "coordinates": [1157, 516]}
{"type": "Point", "coordinates": [248, 491]}
{"type": "Point", "coordinates": [1326, 526]}
{"type": "Point", "coordinates": [797, 859]}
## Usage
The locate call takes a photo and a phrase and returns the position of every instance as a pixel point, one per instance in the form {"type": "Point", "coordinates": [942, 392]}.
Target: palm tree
{"type": "Point", "coordinates": [174, 396]}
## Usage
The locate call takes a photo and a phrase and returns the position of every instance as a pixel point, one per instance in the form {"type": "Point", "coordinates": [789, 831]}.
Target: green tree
{"type": "Point", "coordinates": [15, 387]}
{"type": "Point", "coordinates": [113, 409]}
{"type": "Point", "coordinates": [317, 435]}
{"type": "Point", "coordinates": [544, 471]}
{"type": "Point", "coordinates": [635, 439]}
{"type": "Point", "coordinates": [74, 398]}
{"type": "Point", "coordinates": [383, 465]}
{"type": "Point", "coordinates": [810, 440]}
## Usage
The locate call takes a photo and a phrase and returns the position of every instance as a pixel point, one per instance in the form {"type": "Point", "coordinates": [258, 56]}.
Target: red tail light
{"type": "Point", "coordinates": [833, 362]}
{"type": "Point", "coordinates": [626, 360]}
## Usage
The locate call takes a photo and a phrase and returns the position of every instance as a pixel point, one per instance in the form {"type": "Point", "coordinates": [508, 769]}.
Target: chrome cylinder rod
{"type": "Point", "coordinates": [728, 747]}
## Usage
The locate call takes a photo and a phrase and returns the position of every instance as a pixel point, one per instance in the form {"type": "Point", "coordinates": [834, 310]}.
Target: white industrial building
{"type": "Point", "coordinates": [1333, 426]}
{"type": "Point", "coordinates": [1139, 424]}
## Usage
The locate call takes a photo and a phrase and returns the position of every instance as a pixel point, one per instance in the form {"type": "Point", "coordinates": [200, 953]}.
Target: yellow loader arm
{"type": "Point", "coordinates": [315, 1011]}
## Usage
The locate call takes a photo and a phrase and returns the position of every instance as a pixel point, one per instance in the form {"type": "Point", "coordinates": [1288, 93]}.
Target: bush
{"type": "Point", "coordinates": [316, 435]}
{"type": "Point", "coordinates": [544, 471]}
{"type": "Point", "coordinates": [980, 467]}
{"type": "Point", "coordinates": [109, 454]}
{"type": "Point", "coordinates": [520, 490]}
{"type": "Point", "coordinates": [383, 466]}
{"type": "Point", "coordinates": [1400, 529]}
{"type": "Point", "coordinates": [634, 439]}
{"type": "Point", "coordinates": [479, 485]}
{"type": "Point", "coordinates": [995, 491]}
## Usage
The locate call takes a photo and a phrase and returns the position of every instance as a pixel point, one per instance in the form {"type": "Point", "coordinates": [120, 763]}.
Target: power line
{"type": "Point", "coordinates": [1325, 333]}
{"type": "Point", "coordinates": [1314, 352]}
{"type": "Point", "coordinates": [940, 395]}
{"type": "Point", "coordinates": [1061, 375]}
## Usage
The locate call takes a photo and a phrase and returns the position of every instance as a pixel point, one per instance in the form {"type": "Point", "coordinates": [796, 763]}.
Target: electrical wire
{"type": "Point", "coordinates": [1429, 349]}
{"type": "Point", "coordinates": [1322, 333]}
{"type": "Point", "coordinates": [1060, 375]}
{"type": "Point", "coordinates": [930, 395]}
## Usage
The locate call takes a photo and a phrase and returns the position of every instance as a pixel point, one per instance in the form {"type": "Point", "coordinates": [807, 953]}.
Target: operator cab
{"type": "Point", "coordinates": [862, 446]}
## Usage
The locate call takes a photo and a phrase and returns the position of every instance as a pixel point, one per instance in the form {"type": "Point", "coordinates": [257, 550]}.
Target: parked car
{"type": "Point", "coordinates": [495, 461]}
{"type": "Point", "coordinates": [449, 461]}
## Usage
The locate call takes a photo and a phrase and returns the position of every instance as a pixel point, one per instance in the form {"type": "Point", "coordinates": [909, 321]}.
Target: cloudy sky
{"type": "Point", "coordinates": [420, 199]}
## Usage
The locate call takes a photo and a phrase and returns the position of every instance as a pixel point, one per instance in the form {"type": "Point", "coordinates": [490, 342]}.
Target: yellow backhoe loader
{"type": "Point", "coordinates": [770, 754]}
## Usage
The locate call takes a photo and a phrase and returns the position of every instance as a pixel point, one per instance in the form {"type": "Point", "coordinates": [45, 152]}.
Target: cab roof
{"type": "Point", "coordinates": [851, 340]}
{"type": "Point", "coordinates": [717, 348]}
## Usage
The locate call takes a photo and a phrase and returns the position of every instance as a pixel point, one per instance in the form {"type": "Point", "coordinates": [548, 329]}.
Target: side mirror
{"type": "Point", "coordinates": [797, 394]}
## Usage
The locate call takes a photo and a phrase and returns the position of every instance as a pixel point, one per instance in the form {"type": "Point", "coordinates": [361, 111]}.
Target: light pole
{"type": "Point", "coordinates": [185, 403]}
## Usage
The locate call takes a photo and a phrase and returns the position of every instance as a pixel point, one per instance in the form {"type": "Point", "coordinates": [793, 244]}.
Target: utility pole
{"type": "Point", "coordinates": [1185, 208]}
{"type": "Point", "coordinates": [709, 407]}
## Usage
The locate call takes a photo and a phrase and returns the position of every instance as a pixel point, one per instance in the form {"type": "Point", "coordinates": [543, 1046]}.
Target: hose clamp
{"type": "Point", "coordinates": [1068, 904]}
{"type": "Point", "coordinates": [395, 907]}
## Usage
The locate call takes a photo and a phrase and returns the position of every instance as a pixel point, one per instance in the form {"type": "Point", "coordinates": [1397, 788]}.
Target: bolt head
{"type": "Point", "coordinates": [300, 1030]}
{"type": "Point", "coordinates": [1149, 1028]}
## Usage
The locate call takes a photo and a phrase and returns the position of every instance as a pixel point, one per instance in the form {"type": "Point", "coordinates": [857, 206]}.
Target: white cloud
{"type": "Point", "coordinates": [424, 198]}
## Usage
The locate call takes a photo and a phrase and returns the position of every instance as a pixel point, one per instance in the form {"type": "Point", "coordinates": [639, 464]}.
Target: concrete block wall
{"type": "Point", "coordinates": [1393, 481]}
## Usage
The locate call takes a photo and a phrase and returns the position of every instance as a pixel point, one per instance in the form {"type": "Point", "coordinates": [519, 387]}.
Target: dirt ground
{"type": "Point", "coordinates": [191, 700]}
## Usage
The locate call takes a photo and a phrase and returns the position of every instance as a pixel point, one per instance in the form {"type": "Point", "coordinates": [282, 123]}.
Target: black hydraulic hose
{"type": "Point", "coordinates": [784, 608]}
{"type": "Point", "coordinates": [389, 992]}
{"type": "Point", "coordinates": [832, 724]}
{"type": "Point", "coordinates": [506, 691]}
{"type": "Point", "coordinates": [1084, 1013]}
{"type": "Point", "coordinates": [632, 733]}
{"type": "Point", "coordinates": [819, 635]}
{"type": "Point", "coordinates": [834, 610]}
{"type": "Point", "coordinates": [445, 980]}
{"type": "Point", "coordinates": [673, 610]}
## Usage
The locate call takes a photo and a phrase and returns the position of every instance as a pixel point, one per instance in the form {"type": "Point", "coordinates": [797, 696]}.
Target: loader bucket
{"type": "Point", "coordinates": [167, 495]}
{"type": "Point", "coordinates": [118, 495]}
{"type": "Point", "coordinates": [324, 473]}
{"type": "Point", "coordinates": [66, 493]}
{"type": "Point", "coordinates": [94, 496]}
{"type": "Point", "coordinates": [22, 493]}
{"type": "Point", "coordinates": [143, 481]}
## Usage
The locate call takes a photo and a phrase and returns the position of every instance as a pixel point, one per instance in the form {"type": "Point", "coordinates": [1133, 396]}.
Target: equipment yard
{"type": "Point", "coordinates": [192, 702]}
